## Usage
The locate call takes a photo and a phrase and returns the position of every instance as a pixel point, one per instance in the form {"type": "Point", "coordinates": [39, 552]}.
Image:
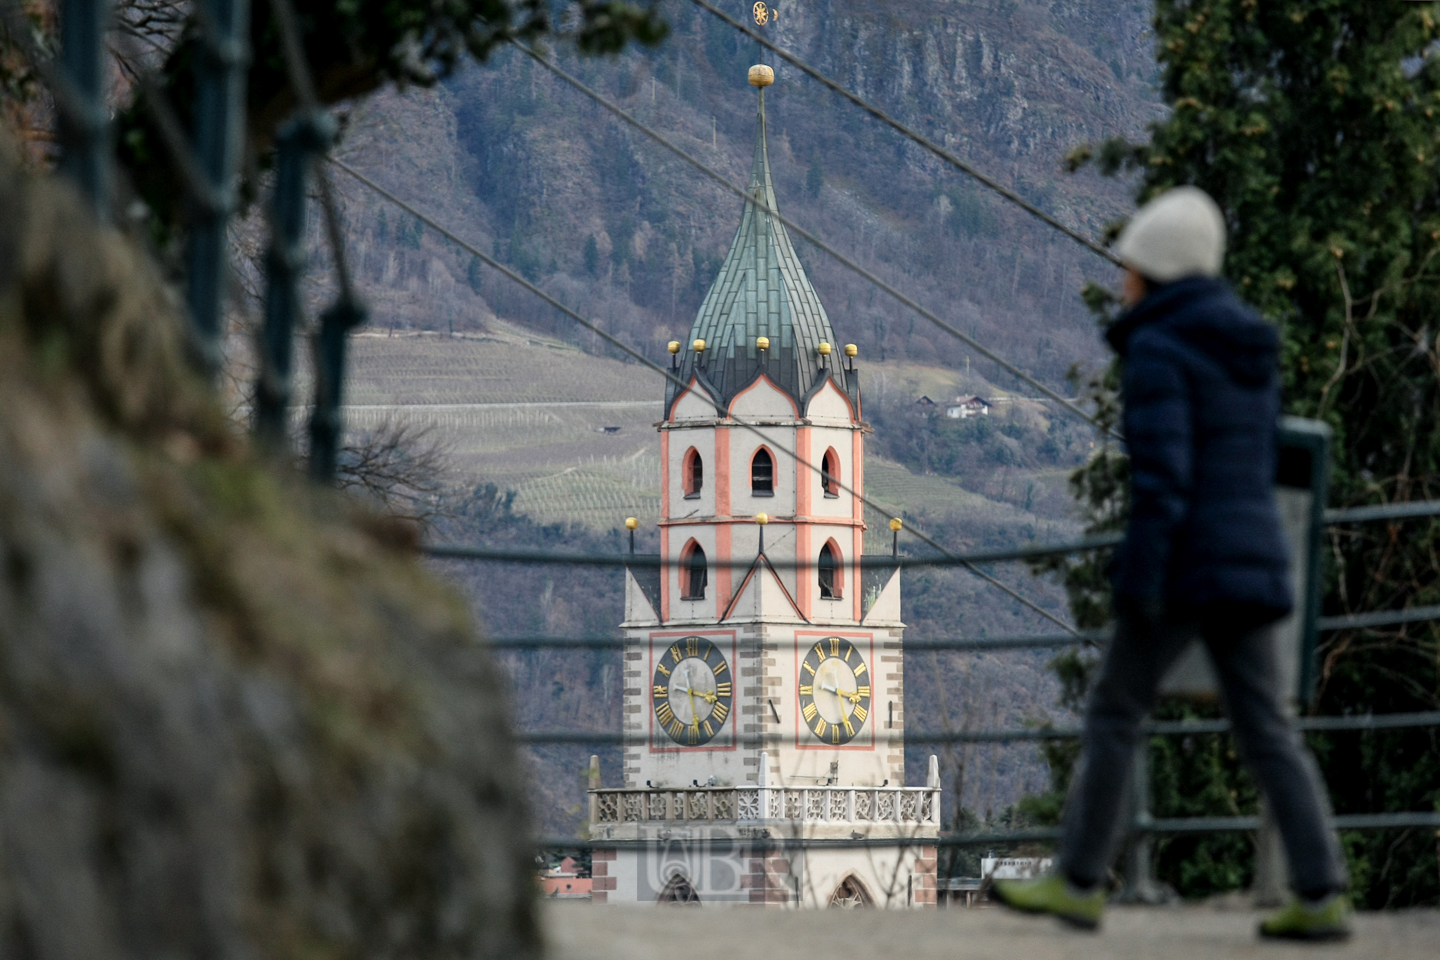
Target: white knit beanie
{"type": "Point", "coordinates": [1180, 233]}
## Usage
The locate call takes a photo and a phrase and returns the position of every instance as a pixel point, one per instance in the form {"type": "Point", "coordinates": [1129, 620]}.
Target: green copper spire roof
{"type": "Point", "coordinates": [761, 291]}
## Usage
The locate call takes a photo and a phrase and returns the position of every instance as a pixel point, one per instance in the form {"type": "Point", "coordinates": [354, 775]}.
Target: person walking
{"type": "Point", "coordinates": [1203, 558]}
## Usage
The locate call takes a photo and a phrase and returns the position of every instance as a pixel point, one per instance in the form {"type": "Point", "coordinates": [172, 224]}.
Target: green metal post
{"type": "Point", "coordinates": [221, 63]}
{"type": "Point", "coordinates": [85, 152]}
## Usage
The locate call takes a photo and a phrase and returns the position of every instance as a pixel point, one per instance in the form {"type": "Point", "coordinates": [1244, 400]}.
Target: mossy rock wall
{"type": "Point", "coordinates": [237, 716]}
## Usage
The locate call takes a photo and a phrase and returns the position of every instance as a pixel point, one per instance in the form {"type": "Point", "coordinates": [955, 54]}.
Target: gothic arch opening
{"type": "Point", "coordinates": [830, 473]}
{"type": "Point", "coordinates": [851, 895]}
{"type": "Point", "coordinates": [694, 572]}
{"type": "Point", "coordinates": [762, 474]}
{"type": "Point", "coordinates": [678, 893]}
{"type": "Point", "coordinates": [832, 581]}
{"type": "Point", "coordinates": [692, 476]}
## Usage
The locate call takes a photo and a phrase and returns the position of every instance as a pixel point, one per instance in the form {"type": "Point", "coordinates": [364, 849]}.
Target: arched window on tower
{"type": "Point", "coordinates": [693, 474]}
{"type": "Point", "coordinates": [695, 572]}
{"type": "Point", "coordinates": [829, 573]}
{"type": "Point", "coordinates": [830, 473]}
{"type": "Point", "coordinates": [762, 474]}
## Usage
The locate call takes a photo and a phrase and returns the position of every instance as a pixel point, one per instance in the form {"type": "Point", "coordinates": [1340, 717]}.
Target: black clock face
{"type": "Point", "coordinates": [834, 691]}
{"type": "Point", "coordinates": [693, 691]}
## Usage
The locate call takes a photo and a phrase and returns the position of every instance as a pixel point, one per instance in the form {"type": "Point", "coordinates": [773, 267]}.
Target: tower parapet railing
{"type": "Point", "coordinates": [833, 804]}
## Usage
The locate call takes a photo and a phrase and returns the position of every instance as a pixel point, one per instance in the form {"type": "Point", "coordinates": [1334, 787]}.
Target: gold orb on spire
{"type": "Point", "coordinates": [761, 75]}
{"type": "Point", "coordinates": [631, 523]}
{"type": "Point", "coordinates": [762, 343]}
{"type": "Point", "coordinates": [674, 346]}
{"type": "Point", "coordinates": [762, 518]}
{"type": "Point", "coordinates": [896, 523]}
{"type": "Point", "coordinates": [823, 349]}
{"type": "Point", "coordinates": [851, 350]}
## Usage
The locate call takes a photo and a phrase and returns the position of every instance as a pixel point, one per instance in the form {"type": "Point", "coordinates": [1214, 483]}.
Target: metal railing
{"type": "Point", "coordinates": [612, 803]}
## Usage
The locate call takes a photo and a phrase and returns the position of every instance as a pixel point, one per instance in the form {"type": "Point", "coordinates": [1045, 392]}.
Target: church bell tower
{"type": "Point", "coordinates": [764, 687]}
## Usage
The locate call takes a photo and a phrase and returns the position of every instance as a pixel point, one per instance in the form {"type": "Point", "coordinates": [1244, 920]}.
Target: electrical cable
{"type": "Point", "coordinates": [914, 136]}
{"type": "Point", "coordinates": [631, 352]}
{"type": "Point", "coordinates": [845, 261]}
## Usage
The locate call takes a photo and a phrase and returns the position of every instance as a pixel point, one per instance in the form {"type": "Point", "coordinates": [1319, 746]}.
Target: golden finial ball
{"type": "Point", "coordinates": [895, 524]}
{"type": "Point", "coordinates": [631, 523]}
{"type": "Point", "coordinates": [762, 343]}
{"type": "Point", "coordinates": [762, 518]}
{"type": "Point", "coordinates": [699, 346]}
{"type": "Point", "coordinates": [674, 346]}
{"type": "Point", "coordinates": [823, 349]}
{"type": "Point", "coordinates": [851, 350]}
{"type": "Point", "coordinates": [761, 75]}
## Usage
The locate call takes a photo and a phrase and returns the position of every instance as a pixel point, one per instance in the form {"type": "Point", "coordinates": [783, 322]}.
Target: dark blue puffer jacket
{"type": "Point", "coordinates": [1201, 394]}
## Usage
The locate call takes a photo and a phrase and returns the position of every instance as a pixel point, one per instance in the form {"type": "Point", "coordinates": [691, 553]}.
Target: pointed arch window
{"type": "Point", "coordinates": [693, 474]}
{"type": "Point", "coordinates": [829, 573]}
{"type": "Point", "coordinates": [679, 892]}
{"type": "Point", "coordinates": [695, 571]}
{"type": "Point", "coordinates": [850, 895]}
{"type": "Point", "coordinates": [830, 474]}
{"type": "Point", "coordinates": [762, 474]}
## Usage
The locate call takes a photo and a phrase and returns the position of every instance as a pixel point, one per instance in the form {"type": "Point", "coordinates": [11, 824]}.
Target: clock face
{"type": "Point", "coordinates": [834, 690]}
{"type": "Point", "coordinates": [693, 691]}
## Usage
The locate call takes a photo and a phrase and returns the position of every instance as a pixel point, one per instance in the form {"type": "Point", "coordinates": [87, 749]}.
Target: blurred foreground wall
{"type": "Point", "coordinates": [237, 719]}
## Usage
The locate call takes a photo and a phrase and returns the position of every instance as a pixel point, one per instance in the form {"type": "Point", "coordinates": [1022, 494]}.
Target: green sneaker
{"type": "Point", "coordinates": [1055, 896]}
{"type": "Point", "coordinates": [1329, 919]}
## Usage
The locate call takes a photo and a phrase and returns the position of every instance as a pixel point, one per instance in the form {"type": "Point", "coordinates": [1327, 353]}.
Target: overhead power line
{"type": "Point", "coordinates": [845, 261]}
{"type": "Point", "coordinates": [646, 361]}
{"type": "Point", "coordinates": [913, 135]}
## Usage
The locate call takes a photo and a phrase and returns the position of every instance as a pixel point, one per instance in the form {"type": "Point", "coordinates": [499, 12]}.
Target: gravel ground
{"type": "Point", "coordinates": [585, 932]}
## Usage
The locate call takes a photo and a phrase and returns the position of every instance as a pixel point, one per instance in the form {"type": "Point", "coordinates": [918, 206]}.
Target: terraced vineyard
{"type": "Point", "coordinates": [507, 365]}
{"type": "Point", "coordinates": [600, 500]}
{"type": "Point", "coordinates": [531, 415]}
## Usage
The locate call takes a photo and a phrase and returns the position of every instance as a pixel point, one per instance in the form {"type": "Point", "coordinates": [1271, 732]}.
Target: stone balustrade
{"type": "Point", "coordinates": [819, 804]}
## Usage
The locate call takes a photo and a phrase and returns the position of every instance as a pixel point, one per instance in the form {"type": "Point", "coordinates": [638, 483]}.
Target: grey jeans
{"type": "Point", "coordinates": [1130, 675]}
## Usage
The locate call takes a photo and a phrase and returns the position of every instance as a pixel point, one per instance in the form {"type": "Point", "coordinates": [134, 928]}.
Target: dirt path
{"type": "Point", "coordinates": [579, 931]}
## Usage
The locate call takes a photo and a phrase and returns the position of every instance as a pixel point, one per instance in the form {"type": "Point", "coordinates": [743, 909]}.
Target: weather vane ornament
{"type": "Point", "coordinates": [763, 14]}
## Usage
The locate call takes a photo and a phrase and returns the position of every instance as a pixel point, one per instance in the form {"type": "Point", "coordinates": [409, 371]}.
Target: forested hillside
{"type": "Point", "coordinates": [615, 226]}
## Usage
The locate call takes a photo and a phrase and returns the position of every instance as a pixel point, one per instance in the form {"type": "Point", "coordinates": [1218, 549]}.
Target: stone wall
{"type": "Point", "coordinates": [237, 716]}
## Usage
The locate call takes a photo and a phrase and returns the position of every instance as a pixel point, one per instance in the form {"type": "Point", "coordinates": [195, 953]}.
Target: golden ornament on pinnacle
{"type": "Point", "coordinates": [631, 523]}
{"type": "Point", "coordinates": [761, 75]}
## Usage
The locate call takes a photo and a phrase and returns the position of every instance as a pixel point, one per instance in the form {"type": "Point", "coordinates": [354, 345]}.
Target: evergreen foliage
{"type": "Point", "coordinates": [1314, 127]}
